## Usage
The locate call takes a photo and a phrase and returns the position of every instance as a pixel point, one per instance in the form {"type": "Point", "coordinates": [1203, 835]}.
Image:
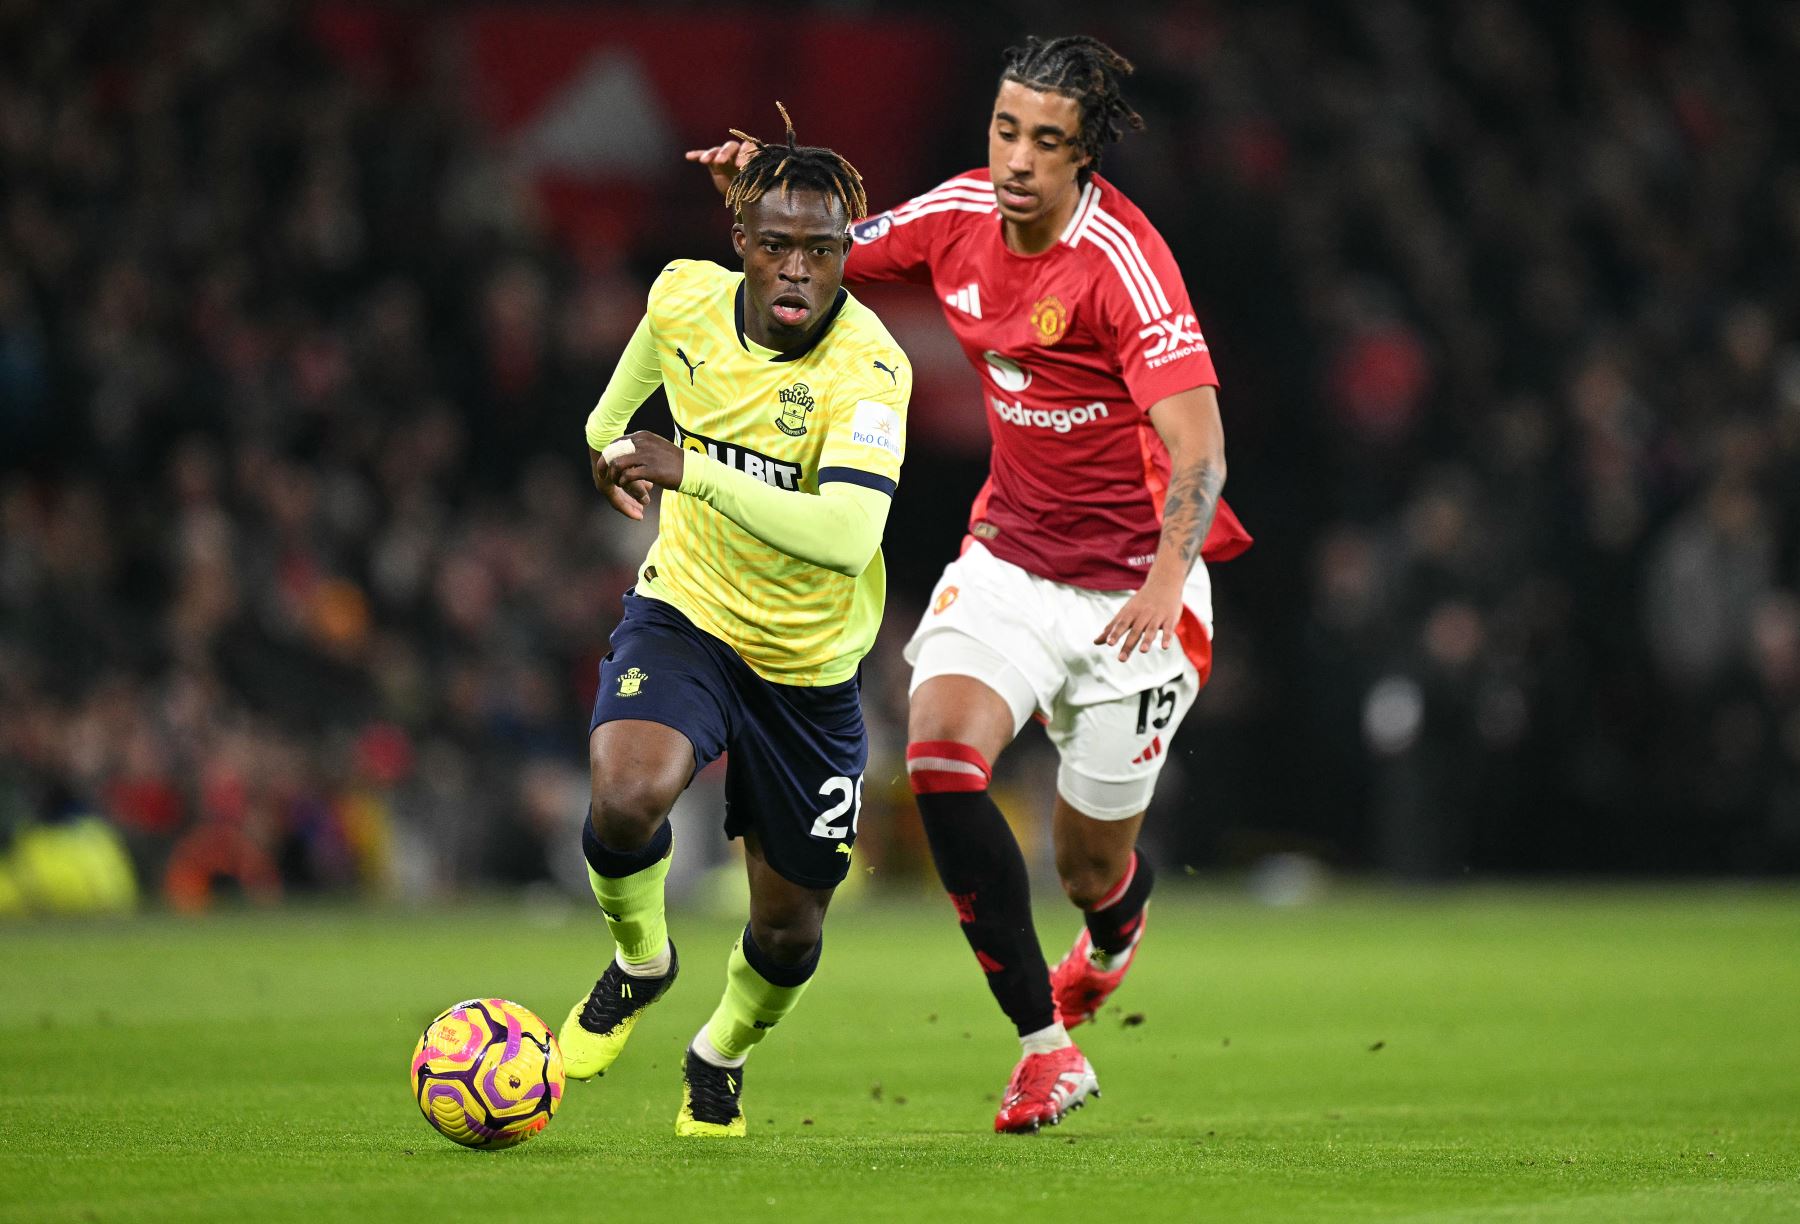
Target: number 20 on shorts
{"type": "Point", "coordinates": [848, 793]}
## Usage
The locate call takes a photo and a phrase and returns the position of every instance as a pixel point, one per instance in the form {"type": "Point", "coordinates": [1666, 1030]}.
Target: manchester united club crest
{"type": "Point", "coordinates": [796, 402]}
{"type": "Point", "coordinates": [631, 681]}
{"type": "Point", "coordinates": [1049, 319]}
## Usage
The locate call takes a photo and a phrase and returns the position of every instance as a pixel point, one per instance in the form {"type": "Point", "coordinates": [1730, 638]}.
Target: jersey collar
{"type": "Point", "coordinates": [1084, 208]}
{"type": "Point", "coordinates": [737, 309]}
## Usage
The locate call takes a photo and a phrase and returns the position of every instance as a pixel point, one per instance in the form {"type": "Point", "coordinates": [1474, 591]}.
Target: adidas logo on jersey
{"type": "Point", "coordinates": [1150, 753]}
{"type": "Point", "coordinates": [967, 299]}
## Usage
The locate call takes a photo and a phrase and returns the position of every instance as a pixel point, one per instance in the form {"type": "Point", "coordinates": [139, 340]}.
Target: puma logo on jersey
{"type": "Point", "coordinates": [691, 366]}
{"type": "Point", "coordinates": [967, 299]}
{"type": "Point", "coordinates": [893, 373]}
{"type": "Point", "coordinates": [843, 849]}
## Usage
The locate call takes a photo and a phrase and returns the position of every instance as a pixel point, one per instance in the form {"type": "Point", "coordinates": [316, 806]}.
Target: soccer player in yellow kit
{"type": "Point", "coordinates": [753, 609]}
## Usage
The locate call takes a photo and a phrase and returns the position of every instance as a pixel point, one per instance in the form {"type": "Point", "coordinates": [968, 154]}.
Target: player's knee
{"type": "Point", "coordinates": [789, 938]}
{"type": "Point", "coordinates": [627, 812]}
{"type": "Point", "coordinates": [962, 710]}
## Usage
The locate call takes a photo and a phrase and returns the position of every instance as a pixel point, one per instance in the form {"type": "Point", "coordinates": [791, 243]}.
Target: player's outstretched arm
{"type": "Point", "coordinates": [723, 161]}
{"type": "Point", "coordinates": [1189, 425]}
{"type": "Point", "coordinates": [839, 528]}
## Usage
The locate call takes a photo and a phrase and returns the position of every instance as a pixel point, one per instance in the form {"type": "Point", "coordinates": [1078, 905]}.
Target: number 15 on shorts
{"type": "Point", "coordinates": [1164, 697]}
{"type": "Point", "coordinates": [844, 795]}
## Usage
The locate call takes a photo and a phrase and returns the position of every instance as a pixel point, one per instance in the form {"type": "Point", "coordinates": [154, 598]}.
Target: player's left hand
{"type": "Point", "coordinates": [652, 458]}
{"type": "Point", "coordinates": [1154, 611]}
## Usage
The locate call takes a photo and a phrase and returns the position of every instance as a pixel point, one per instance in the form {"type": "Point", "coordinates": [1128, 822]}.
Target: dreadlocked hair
{"type": "Point", "coordinates": [791, 165]}
{"type": "Point", "coordinates": [1086, 70]}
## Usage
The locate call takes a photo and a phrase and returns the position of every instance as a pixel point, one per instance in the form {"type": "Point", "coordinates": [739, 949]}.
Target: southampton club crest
{"type": "Point", "coordinates": [796, 402]}
{"type": "Point", "coordinates": [632, 681]}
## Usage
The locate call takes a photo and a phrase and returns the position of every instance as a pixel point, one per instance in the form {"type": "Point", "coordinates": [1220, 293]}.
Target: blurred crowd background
{"type": "Point", "coordinates": [302, 307]}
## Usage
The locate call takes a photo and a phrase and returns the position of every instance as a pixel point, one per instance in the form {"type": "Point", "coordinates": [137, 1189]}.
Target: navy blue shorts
{"type": "Point", "coordinates": [794, 773]}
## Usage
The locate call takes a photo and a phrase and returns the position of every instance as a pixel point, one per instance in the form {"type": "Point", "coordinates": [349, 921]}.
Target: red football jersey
{"type": "Point", "coordinates": [1073, 346]}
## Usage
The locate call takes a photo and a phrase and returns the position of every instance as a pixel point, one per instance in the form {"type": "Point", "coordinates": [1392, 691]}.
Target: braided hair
{"type": "Point", "coordinates": [1086, 70]}
{"type": "Point", "coordinates": [793, 165]}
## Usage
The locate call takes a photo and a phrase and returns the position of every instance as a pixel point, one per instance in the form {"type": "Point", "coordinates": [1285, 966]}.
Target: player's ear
{"type": "Point", "coordinates": [739, 239]}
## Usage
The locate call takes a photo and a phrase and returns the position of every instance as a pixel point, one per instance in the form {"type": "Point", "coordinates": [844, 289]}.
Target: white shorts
{"type": "Point", "coordinates": [1031, 640]}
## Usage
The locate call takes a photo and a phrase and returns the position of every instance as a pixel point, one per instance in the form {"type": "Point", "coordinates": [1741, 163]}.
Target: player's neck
{"type": "Point", "coordinates": [1036, 237]}
{"type": "Point", "coordinates": [757, 328]}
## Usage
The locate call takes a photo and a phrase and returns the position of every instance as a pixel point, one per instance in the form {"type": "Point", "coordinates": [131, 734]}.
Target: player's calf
{"type": "Point", "coordinates": [628, 884]}
{"type": "Point", "coordinates": [1116, 918]}
{"type": "Point", "coordinates": [979, 861]}
{"type": "Point", "coordinates": [1087, 880]}
{"type": "Point", "coordinates": [1095, 967]}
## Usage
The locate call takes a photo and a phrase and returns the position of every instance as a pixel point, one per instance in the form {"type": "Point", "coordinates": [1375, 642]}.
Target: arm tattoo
{"type": "Point", "coordinates": [1188, 509]}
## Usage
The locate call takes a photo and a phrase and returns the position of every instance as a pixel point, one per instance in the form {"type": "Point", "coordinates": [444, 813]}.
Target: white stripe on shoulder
{"type": "Point", "coordinates": [971, 192]}
{"type": "Point", "coordinates": [1090, 196]}
{"type": "Point", "coordinates": [1128, 267]}
{"type": "Point", "coordinates": [913, 208]}
{"type": "Point", "coordinates": [1108, 245]}
{"type": "Point", "coordinates": [944, 206]}
{"type": "Point", "coordinates": [955, 189]}
{"type": "Point", "coordinates": [1105, 220]}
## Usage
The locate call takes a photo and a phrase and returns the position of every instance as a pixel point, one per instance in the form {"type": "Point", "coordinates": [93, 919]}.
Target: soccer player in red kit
{"type": "Point", "coordinates": [1081, 595]}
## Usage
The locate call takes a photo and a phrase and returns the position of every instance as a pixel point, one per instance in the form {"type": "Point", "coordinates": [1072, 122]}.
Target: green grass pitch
{"type": "Point", "coordinates": [1508, 1055]}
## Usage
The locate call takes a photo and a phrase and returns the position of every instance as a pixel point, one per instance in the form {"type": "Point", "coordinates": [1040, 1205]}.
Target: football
{"type": "Point", "coordinates": [487, 1074]}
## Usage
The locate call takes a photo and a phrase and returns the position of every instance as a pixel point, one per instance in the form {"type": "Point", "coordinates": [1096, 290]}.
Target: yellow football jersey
{"type": "Point", "coordinates": [835, 411]}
